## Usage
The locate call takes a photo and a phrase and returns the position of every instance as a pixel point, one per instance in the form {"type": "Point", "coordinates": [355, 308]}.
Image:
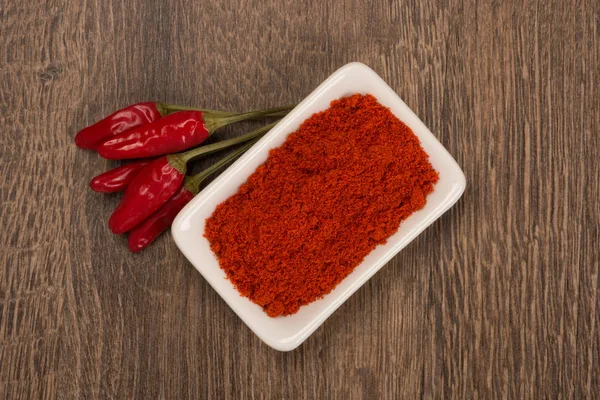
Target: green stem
{"type": "Point", "coordinates": [165, 109]}
{"type": "Point", "coordinates": [280, 114]}
{"type": "Point", "coordinates": [211, 148]}
{"type": "Point", "coordinates": [213, 122]}
{"type": "Point", "coordinates": [192, 183]}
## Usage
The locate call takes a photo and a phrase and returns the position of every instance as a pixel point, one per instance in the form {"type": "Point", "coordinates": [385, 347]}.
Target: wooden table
{"type": "Point", "coordinates": [499, 297]}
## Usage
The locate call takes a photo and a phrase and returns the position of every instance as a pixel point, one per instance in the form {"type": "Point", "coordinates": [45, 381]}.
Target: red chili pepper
{"type": "Point", "coordinates": [117, 179]}
{"type": "Point", "coordinates": [150, 189]}
{"type": "Point", "coordinates": [128, 118]}
{"type": "Point", "coordinates": [159, 181]}
{"type": "Point", "coordinates": [145, 233]}
{"type": "Point", "coordinates": [118, 122]}
{"type": "Point", "coordinates": [174, 133]}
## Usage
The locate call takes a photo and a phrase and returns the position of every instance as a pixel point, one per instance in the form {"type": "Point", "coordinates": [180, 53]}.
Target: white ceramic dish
{"type": "Point", "coordinates": [287, 333]}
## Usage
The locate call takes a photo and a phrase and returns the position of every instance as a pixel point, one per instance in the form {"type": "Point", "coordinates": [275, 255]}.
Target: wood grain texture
{"type": "Point", "coordinates": [499, 298]}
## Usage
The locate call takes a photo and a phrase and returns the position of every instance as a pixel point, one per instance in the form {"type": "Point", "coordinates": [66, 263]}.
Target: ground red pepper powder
{"type": "Point", "coordinates": [339, 186]}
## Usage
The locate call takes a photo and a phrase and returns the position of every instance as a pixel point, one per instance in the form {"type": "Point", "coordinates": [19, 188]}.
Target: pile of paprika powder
{"type": "Point", "coordinates": [339, 186]}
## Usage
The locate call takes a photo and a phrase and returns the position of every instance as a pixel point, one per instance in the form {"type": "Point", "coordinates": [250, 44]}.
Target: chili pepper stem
{"type": "Point", "coordinates": [177, 162]}
{"type": "Point", "coordinates": [180, 160]}
{"type": "Point", "coordinates": [213, 122]}
{"type": "Point", "coordinates": [164, 109]}
{"type": "Point", "coordinates": [193, 183]}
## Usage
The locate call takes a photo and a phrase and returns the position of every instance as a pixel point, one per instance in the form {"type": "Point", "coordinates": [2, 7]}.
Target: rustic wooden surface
{"type": "Point", "coordinates": [498, 298]}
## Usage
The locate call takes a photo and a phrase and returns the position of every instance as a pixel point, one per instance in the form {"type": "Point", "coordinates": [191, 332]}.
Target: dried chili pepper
{"type": "Point", "coordinates": [134, 116]}
{"type": "Point", "coordinates": [338, 186]}
{"type": "Point", "coordinates": [149, 190]}
{"type": "Point", "coordinates": [159, 181]}
{"type": "Point", "coordinates": [118, 122]}
{"type": "Point", "coordinates": [117, 179]}
{"type": "Point", "coordinates": [174, 133]}
{"type": "Point", "coordinates": [145, 233]}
